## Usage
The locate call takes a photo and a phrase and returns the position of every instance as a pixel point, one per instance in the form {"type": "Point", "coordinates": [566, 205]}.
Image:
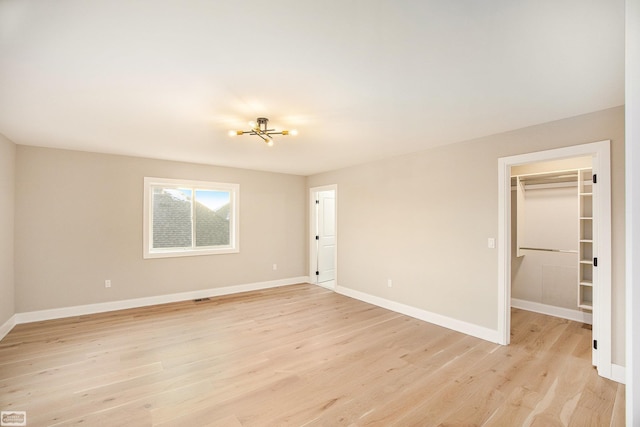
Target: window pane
{"type": "Point", "coordinates": [212, 210]}
{"type": "Point", "coordinates": [171, 218]}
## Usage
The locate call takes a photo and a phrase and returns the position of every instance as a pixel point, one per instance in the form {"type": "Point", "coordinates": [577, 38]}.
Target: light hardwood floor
{"type": "Point", "coordinates": [299, 355]}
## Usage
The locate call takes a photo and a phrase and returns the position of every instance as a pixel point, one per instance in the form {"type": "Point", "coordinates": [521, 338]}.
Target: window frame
{"type": "Point", "coordinates": [234, 215]}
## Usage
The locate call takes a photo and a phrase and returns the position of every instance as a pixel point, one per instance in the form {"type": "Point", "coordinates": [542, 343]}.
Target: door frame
{"type": "Point", "coordinates": [601, 153]}
{"type": "Point", "coordinates": [312, 236]}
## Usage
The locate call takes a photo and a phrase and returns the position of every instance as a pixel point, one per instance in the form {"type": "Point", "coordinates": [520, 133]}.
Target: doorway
{"type": "Point", "coordinates": [600, 154]}
{"type": "Point", "coordinates": [552, 238]}
{"type": "Point", "coordinates": [323, 236]}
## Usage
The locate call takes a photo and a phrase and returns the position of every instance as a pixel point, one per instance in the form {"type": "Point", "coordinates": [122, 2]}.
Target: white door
{"type": "Point", "coordinates": [326, 236]}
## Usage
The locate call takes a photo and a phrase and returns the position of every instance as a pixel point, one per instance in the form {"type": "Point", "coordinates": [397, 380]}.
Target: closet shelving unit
{"type": "Point", "coordinates": [585, 260]}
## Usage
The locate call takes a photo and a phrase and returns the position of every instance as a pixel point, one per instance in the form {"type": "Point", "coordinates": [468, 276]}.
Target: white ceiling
{"type": "Point", "coordinates": [360, 80]}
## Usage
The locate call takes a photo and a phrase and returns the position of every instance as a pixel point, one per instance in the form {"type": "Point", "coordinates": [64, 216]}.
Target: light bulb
{"type": "Point", "coordinates": [269, 142]}
{"type": "Point", "coordinates": [235, 132]}
{"type": "Point", "coordinates": [253, 125]}
{"type": "Point", "coordinates": [293, 132]}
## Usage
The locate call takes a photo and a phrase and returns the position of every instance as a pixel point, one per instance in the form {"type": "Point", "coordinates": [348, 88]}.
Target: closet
{"type": "Point", "coordinates": [553, 238]}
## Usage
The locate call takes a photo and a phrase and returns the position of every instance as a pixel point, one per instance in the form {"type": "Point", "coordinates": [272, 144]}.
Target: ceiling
{"type": "Point", "coordinates": [360, 80]}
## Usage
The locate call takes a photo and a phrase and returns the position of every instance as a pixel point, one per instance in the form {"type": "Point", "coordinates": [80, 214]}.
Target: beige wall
{"type": "Point", "coordinates": [423, 220]}
{"type": "Point", "coordinates": [79, 222]}
{"type": "Point", "coordinates": [550, 221]}
{"type": "Point", "coordinates": [7, 171]}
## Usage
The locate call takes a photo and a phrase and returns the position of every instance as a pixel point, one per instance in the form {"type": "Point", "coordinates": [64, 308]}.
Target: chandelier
{"type": "Point", "coordinates": [261, 128]}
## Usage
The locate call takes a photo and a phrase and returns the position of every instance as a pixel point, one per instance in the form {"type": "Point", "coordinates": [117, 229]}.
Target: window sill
{"type": "Point", "coordinates": [189, 252]}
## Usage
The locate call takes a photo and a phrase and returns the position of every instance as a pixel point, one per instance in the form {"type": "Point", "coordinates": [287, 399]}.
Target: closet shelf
{"type": "Point", "coordinates": [585, 306]}
{"type": "Point", "coordinates": [586, 261]}
{"type": "Point", "coordinates": [586, 241]}
{"type": "Point", "coordinates": [586, 218]}
{"type": "Point", "coordinates": [586, 283]}
{"type": "Point", "coordinates": [549, 179]}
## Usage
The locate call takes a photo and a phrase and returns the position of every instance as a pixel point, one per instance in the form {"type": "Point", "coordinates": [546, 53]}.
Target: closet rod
{"type": "Point", "coordinates": [566, 251]}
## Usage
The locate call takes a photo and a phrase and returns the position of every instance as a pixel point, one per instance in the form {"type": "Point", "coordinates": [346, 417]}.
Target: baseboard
{"type": "Point", "coordinates": [618, 373]}
{"type": "Point", "coordinates": [7, 326]}
{"type": "Point", "coordinates": [427, 316]}
{"type": "Point", "coordinates": [550, 310]}
{"type": "Point", "coordinates": [80, 310]}
{"type": "Point", "coordinates": [331, 285]}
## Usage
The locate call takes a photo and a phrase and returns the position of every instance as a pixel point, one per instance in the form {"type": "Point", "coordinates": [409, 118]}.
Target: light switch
{"type": "Point", "coordinates": [491, 243]}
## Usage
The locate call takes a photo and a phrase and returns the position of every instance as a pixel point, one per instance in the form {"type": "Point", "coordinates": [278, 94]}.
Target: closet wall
{"type": "Point", "coordinates": [547, 273]}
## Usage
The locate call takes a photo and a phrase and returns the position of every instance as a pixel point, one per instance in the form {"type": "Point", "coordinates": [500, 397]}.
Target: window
{"type": "Point", "coordinates": [185, 218]}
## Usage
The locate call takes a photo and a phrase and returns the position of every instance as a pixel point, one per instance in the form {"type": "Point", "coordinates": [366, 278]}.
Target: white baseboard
{"type": "Point", "coordinates": [7, 326]}
{"type": "Point", "coordinates": [331, 285]}
{"type": "Point", "coordinates": [550, 310]}
{"type": "Point", "coordinates": [80, 310]}
{"type": "Point", "coordinates": [427, 316]}
{"type": "Point", "coordinates": [618, 373]}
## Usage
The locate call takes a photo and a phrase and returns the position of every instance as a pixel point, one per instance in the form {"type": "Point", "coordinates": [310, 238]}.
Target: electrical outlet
{"type": "Point", "coordinates": [389, 283]}
{"type": "Point", "coordinates": [275, 267]}
{"type": "Point", "coordinates": [107, 283]}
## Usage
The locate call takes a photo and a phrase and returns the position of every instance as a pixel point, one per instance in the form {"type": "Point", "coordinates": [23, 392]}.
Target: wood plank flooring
{"type": "Point", "coordinates": [301, 356]}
